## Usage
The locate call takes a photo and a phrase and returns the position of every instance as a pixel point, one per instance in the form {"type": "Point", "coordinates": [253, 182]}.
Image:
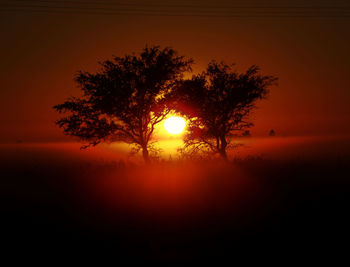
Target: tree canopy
{"type": "Point", "coordinates": [130, 95]}
{"type": "Point", "coordinates": [217, 103]}
{"type": "Point", "coordinates": [124, 100]}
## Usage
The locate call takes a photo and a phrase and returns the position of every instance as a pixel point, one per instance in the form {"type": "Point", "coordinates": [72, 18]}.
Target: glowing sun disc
{"type": "Point", "coordinates": [174, 125]}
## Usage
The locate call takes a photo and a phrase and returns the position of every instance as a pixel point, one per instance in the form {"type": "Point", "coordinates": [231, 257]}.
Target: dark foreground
{"type": "Point", "coordinates": [264, 210]}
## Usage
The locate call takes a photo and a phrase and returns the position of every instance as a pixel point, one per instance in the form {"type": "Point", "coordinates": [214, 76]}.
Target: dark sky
{"type": "Point", "coordinates": [304, 43]}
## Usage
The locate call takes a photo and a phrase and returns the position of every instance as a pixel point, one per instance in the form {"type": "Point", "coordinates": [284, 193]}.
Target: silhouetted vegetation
{"type": "Point", "coordinates": [217, 103]}
{"type": "Point", "coordinates": [131, 94]}
{"type": "Point", "coordinates": [124, 100]}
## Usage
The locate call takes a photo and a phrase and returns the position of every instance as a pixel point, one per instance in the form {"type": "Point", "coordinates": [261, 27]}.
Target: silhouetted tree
{"type": "Point", "coordinates": [217, 103]}
{"type": "Point", "coordinates": [272, 132]}
{"type": "Point", "coordinates": [125, 99]}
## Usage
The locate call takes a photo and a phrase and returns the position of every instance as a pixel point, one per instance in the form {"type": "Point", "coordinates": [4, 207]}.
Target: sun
{"type": "Point", "coordinates": [174, 125]}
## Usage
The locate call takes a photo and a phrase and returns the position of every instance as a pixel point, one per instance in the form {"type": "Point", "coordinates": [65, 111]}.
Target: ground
{"type": "Point", "coordinates": [279, 208]}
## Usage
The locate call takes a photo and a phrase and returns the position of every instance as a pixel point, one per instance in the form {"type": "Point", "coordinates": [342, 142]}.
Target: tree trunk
{"type": "Point", "coordinates": [223, 154]}
{"type": "Point", "coordinates": [222, 149]}
{"type": "Point", "coordinates": [145, 155]}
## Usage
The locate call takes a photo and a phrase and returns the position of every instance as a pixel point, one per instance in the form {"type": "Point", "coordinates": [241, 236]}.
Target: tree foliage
{"type": "Point", "coordinates": [125, 99]}
{"type": "Point", "coordinates": [217, 103]}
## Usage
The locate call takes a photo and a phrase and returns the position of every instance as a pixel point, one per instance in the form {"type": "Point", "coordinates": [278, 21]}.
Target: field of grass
{"type": "Point", "coordinates": [277, 200]}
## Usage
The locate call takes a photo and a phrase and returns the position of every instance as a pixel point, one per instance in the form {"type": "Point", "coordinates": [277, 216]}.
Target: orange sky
{"type": "Point", "coordinates": [41, 52]}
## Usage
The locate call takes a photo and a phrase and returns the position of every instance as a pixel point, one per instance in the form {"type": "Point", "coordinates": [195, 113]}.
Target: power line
{"type": "Point", "coordinates": [78, 7]}
{"type": "Point", "coordinates": [152, 5]}
{"type": "Point", "coordinates": [152, 11]}
{"type": "Point", "coordinates": [177, 14]}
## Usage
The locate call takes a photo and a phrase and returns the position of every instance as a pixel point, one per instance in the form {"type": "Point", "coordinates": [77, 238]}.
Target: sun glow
{"type": "Point", "coordinates": [174, 125]}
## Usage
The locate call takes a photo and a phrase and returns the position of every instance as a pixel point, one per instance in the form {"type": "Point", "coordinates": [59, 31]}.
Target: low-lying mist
{"type": "Point", "coordinates": [58, 200]}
